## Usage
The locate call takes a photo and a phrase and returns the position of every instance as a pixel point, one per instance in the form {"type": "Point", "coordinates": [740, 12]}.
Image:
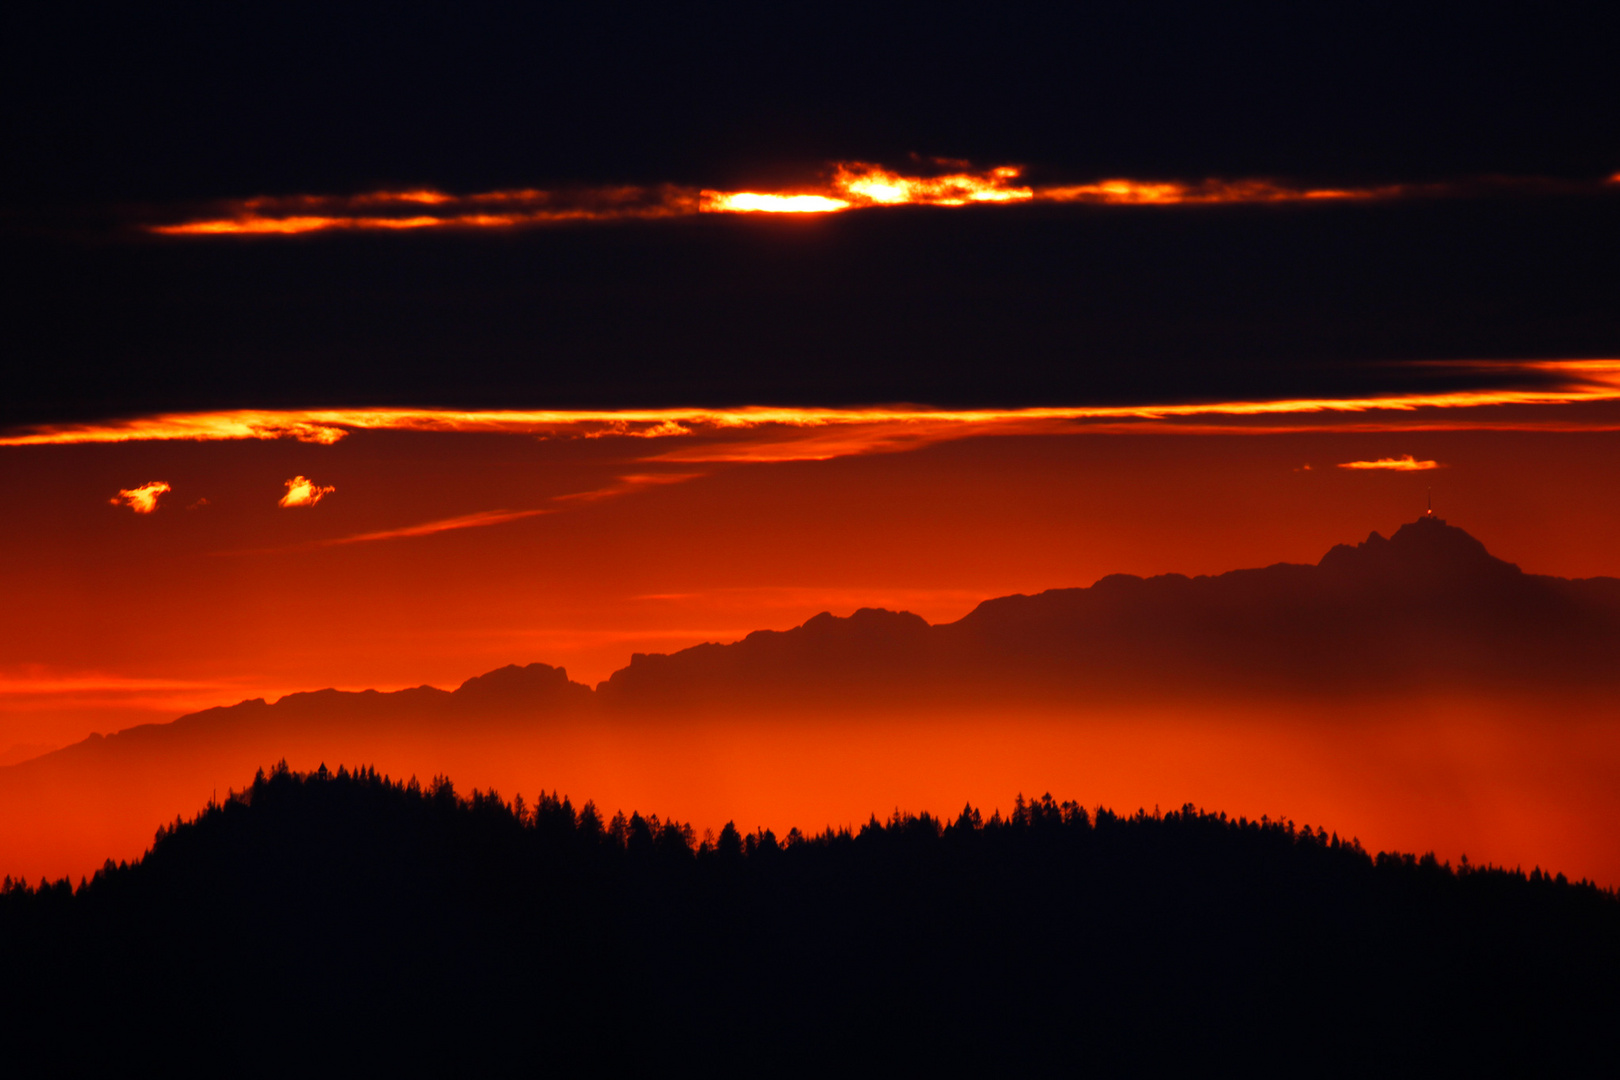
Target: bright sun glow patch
{"type": "Point", "coordinates": [142, 500]}
{"type": "Point", "coordinates": [742, 202]}
{"type": "Point", "coordinates": [876, 186]}
{"type": "Point", "coordinates": [302, 491]}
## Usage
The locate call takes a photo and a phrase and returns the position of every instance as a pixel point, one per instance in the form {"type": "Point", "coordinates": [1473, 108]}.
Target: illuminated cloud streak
{"type": "Point", "coordinates": [628, 484]}
{"type": "Point", "coordinates": [1404, 463]}
{"type": "Point", "coordinates": [1140, 193]}
{"type": "Point", "coordinates": [623, 485]}
{"type": "Point", "coordinates": [36, 681]}
{"type": "Point", "coordinates": [142, 500]}
{"type": "Point", "coordinates": [428, 528]}
{"type": "Point", "coordinates": [834, 432]}
{"type": "Point", "coordinates": [407, 211]}
{"type": "Point", "coordinates": [847, 186]}
{"type": "Point", "coordinates": [302, 491]}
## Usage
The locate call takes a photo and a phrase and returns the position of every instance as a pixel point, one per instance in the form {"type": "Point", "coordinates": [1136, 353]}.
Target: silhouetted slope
{"type": "Point", "coordinates": [508, 698]}
{"type": "Point", "coordinates": [1428, 607]}
{"type": "Point", "coordinates": [103, 795]}
{"type": "Point", "coordinates": [883, 655]}
{"type": "Point", "coordinates": [349, 921]}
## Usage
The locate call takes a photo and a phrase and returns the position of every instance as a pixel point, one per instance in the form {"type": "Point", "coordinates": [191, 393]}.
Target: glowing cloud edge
{"type": "Point", "coordinates": [1573, 382]}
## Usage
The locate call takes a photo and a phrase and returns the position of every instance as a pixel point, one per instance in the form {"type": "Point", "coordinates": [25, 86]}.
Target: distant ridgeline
{"type": "Point", "coordinates": [1427, 609]}
{"type": "Point", "coordinates": [341, 921]}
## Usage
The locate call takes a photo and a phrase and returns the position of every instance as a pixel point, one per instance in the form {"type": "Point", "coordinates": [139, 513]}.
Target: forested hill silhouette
{"type": "Point", "coordinates": [366, 924]}
{"type": "Point", "coordinates": [1429, 606]}
{"type": "Point", "coordinates": [102, 795]}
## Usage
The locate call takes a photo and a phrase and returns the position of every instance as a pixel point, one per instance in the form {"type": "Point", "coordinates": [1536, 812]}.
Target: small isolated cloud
{"type": "Point", "coordinates": [1400, 464]}
{"type": "Point", "coordinates": [302, 491]}
{"type": "Point", "coordinates": [142, 500]}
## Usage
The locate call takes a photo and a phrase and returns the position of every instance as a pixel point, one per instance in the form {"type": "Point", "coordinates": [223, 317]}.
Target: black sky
{"type": "Point", "coordinates": [107, 109]}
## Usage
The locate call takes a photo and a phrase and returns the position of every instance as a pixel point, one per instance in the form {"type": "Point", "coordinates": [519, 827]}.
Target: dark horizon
{"type": "Point", "coordinates": [529, 927]}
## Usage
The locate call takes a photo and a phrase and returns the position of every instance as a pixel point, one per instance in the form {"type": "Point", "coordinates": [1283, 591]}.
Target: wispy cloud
{"type": "Point", "coordinates": [1400, 464]}
{"type": "Point", "coordinates": [302, 491]}
{"type": "Point", "coordinates": [113, 698]}
{"type": "Point", "coordinates": [143, 499]}
{"type": "Point", "coordinates": [624, 485]}
{"type": "Point", "coordinates": [35, 681]}
{"type": "Point", "coordinates": [428, 528]}
{"type": "Point", "coordinates": [770, 433]}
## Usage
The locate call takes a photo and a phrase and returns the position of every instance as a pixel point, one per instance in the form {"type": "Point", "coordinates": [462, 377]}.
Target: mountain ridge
{"type": "Point", "coordinates": [1433, 584]}
{"type": "Point", "coordinates": [1427, 606]}
{"type": "Point", "coordinates": [1423, 625]}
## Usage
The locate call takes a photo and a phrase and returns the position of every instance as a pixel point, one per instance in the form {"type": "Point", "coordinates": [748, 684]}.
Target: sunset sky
{"type": "Point", "coordinates": [375, 353]}
{"type": "Point", "coordinates": [390, 556]}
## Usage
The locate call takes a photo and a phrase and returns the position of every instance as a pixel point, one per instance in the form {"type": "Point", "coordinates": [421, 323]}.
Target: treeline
{"type": "Point", "coordinates": [367, 922]}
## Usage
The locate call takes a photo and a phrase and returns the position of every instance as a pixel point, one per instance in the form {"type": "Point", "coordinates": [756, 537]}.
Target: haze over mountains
{"type": "Point", "coordinates": [1428, 611]}
{"type": "Point", "coordinates": [1428, 607]}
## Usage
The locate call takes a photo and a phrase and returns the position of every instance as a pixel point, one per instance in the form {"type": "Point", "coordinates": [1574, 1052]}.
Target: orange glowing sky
{"type": "Point", "coordinates": [269, 548]}
{"type": "Point", "coordinates": [445, 543]}
{"type": "Point", "coordinates": [845, 186]}
{"type": "Point", "coordinates": [595, 335]}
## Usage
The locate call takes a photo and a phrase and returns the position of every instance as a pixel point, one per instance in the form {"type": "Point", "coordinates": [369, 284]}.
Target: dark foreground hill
{"type": "Point", "coordinates": [339, 921]}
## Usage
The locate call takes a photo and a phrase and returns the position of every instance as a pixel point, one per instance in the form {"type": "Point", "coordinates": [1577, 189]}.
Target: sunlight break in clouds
{"type": "Point", "coordinates": [849, 185]}
{"type": "Point", "coordinates": [142, 500]}
{"type": "Point", "coordinates": [302, 491]}
{"type": "Point", "coordinates": [1400, 464]}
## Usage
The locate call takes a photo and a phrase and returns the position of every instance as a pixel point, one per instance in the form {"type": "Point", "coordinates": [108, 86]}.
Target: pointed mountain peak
{"type": "Point", "coordinates": [1427, 547]}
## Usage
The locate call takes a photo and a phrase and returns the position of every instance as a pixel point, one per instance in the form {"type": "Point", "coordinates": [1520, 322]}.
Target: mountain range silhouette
{"type": "Point", "coordinates": [1427, 611]}
{"type": "Point", "coordinates": [1428, 607]}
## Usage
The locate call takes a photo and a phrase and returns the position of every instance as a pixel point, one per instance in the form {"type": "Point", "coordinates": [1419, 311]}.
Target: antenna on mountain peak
{"type": "Point", "coordinates": [1429, 513]}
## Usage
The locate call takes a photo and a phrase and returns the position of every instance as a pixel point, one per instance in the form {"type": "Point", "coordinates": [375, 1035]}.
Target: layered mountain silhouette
{"type": "Point", "coordinates": [1427, 609]}
{"type": "Point", "coordinates": [1429, 606]}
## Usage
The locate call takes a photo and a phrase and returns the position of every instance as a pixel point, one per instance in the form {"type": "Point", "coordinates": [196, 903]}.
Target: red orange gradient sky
{"type": "Point", "coordinates": [176, 562]}
{"type": "Point", "coordinates": [391, 547]}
